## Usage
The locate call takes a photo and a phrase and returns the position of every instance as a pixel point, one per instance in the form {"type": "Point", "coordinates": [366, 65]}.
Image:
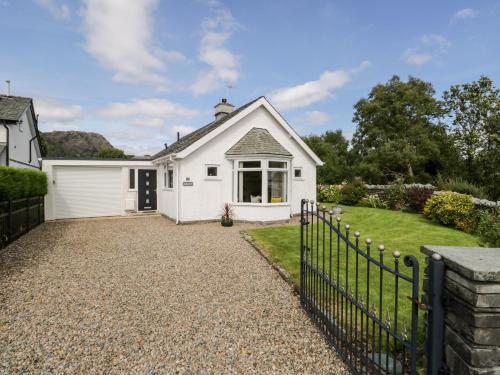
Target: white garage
{"type": "Point", "coordinates": [87, 192]}
{"type": "Point", "coordinates": [95, 188]}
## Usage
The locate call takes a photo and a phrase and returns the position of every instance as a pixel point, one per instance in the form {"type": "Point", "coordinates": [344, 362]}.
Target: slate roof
{"type": "Point", "coordinates": [192, 137]}
{"type": "Point", "coordinates": [258, 141]}
{"type": "Point", "coordinates": [12, 107]}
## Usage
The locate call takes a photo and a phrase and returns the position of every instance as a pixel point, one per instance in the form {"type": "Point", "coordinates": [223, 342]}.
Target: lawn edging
{"type": "Point", "coordinates": [281, 271]}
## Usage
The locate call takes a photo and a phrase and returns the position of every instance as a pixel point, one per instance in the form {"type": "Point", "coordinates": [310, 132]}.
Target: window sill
{"type": "Point", "coordinates": [243, 204]}
{"type": "Point", "coordinates": [167, 189]}
{"type": "Point", "coordinates": [213, 179]}
{"type": "Point", "coordinates": [298, 179]}
{"type": "Point", "coordinates": [132, 190]}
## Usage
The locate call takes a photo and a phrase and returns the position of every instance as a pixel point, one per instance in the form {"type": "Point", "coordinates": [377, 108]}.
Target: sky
{"type": "Point", "coordinates": [140, 71]}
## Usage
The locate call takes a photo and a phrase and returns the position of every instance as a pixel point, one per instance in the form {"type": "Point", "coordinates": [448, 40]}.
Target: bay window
{"type": "Point", "coordinates": [262, 181]}
{"type": "Point", "coordinates": [250, 181]}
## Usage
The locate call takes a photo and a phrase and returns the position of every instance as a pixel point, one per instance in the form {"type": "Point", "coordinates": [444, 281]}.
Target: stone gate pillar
{"type": "Point", "coordinates": [471, 308]}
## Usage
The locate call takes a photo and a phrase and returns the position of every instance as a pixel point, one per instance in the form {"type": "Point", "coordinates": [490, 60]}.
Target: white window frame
{"type": "Point", "coordinates": [170, 180]}
{"type": "Point", "coordinates": [285, 170]}
{"type": "Point", "coordinates": [165, 179]}
{"type": "Point", "coordinates": [301, 169]}
{"type": "Point", "coordinates": [264, 168]}
{"type": "Point", "coordinates": [135, 179]}
{"type": "Point", "coordinates": [214, 178]}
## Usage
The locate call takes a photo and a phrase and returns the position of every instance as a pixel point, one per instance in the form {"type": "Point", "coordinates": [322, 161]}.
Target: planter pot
{"type": "Point", "coordinates": [226, 222]}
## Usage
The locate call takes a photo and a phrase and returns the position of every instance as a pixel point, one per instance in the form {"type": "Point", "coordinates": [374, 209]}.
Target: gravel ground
{"type": "Point", "coordinates": [142, 295]}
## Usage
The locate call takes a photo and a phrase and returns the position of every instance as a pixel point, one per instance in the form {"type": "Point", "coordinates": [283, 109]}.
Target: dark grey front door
{"type": "Point", "coordinates": [147, 189]}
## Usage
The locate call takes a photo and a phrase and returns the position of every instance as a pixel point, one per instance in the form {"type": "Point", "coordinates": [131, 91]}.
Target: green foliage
{"type": "Point", "coordinates": [399, 133]}
{"type": "Point", "coordinates": [488, 229]}
{"type": "Point", "coordinates": [418, 196]}
{"type": "Point", "coordinates": [352, 193]}
{"type": "Point", "coordinates": [43, 146]}
{"type": "Point", "coordinates": [475, 112]}
{"type": "Point", "coordinates": [329, 194]}
{"type": "Point", "coordinates": [21, 183]}
{"type": "Point", "coordinates": [111, 153]}
{"type": "Point", "coordinates": [452, 209]}
{"type": "Point", "coordinates": [373, 201]}
{"type": "Point", "coordinates": [459, 185]}
{"type": "Point", "coordinates": [396, 195]}
{"type": "Point", "coordinates": [332, 148]}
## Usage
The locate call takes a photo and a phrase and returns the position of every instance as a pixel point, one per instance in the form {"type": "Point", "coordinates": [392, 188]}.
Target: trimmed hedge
{"type": "Point", "coordinates": [18, 183]}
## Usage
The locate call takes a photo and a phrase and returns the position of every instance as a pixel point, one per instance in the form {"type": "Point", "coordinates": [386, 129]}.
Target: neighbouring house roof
{"type": "Point", "coordinates": [191, 138]}
{"type": "Point", "coordinates": [258, 141]}
{"type": "Point", "coordinates": [13, 107]}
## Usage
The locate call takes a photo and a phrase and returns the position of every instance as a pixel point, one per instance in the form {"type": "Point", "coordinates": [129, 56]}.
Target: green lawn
{"type": "Point", "coordinates": [405, 232]}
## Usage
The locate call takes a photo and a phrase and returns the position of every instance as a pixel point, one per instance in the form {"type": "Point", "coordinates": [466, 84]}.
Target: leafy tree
{"type": "Point", "coordinates": [399, 133]}
{"type": "Point", "coordinates": [332, 148]}
{"type": "Point", "coordinates": [475, 112]}
{"type": "Point", "coordinates": [111, 153]}
{"type": "Point", "coordinates": [43, 145]}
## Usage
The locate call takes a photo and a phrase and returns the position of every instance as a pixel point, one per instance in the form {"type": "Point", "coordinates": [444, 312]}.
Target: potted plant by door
{"type": "Point", "coordinates": [227, 215]}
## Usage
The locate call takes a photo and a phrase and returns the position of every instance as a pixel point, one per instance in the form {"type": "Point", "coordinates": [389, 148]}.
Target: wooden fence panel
{"type": "Point", "coordinates": [18, 216]}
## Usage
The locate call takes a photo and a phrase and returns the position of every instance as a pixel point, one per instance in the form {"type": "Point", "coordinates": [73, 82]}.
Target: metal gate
{"type": "Point", "coordinates": [365, 304]}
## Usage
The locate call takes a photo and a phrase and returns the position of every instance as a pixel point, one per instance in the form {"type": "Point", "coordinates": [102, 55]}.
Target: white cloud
{"type": "Point", "coordinates": [313, 91]}
{"type": "Point", "coordinates": [139, 149]}
{"type": "Point", "coordinates": [149, 108]}
{"type": "Point", "coordinates": [436, 41]}
{"type": "Point", "coordinates": [58, 9]}
{"type": "Point", "coordinates": [56, 126]}
{"type": "Point", "coordinates": [314, 118]}
{"type": "Point", "coordinates": [430, 46]}
{"type": "Point", "coordinates": [414, 56]}
{"type": "Point", "coordinates": [51, 110]}
{"type": "Point", "coordinates": [119, 34]}
{"type": "Point", "coordinates": [148, 122]}
{"type": "Point", "coordinates": [463, 14]}
{"type": "Point", "coordinates": [224, 65]}
{"type": "Point", "coordinates": [182, 129]}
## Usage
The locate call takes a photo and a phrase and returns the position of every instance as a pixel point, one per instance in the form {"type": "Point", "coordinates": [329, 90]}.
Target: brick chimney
{"type": "Point", "coordinates": [223, 108]}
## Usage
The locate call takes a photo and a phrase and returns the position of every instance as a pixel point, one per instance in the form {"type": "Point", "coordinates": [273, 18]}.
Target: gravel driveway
{"type": "Point", "coordinates": [143, 295]}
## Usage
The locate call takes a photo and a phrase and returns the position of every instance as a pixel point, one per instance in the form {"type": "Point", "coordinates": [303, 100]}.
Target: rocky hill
{"type": "Point", "coordinates": [74, 143]}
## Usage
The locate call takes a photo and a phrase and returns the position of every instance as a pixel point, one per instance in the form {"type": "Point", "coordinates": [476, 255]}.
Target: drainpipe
{"type": "Point", "coordinates": [7, 156]}
{"type": "Point", "coordinates": [177, 221]}
{"type": "Point", "coordinates": [30, 144]}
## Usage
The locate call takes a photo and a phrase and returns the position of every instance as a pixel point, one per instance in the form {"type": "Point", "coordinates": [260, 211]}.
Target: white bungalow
{"type": "Point", "coordinates": [249, 157]}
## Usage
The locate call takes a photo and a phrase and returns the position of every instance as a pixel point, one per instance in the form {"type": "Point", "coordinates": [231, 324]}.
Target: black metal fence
{"type": "Point", "coordinates": [18, 216]}
{"type": "Point", "coordinates": [366, 306]}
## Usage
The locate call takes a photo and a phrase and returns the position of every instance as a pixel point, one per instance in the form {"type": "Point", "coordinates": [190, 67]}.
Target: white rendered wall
{"type": "Point", "coordinates": [204, 200]}
{"type": "Point", "coordinates": [167, 198]}
{"type": "Point", "coordinates": [19, 143]}
{"type": "Point", "coordinates": [48, 166]}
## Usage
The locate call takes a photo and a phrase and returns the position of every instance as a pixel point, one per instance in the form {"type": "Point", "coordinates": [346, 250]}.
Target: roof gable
{"type": "Point", "coordinates": [13, 107]}
{"type": "Point", "coordinates": [212, 130]}
{"type": "Point", "coordinates": [192, 137]}
{"type": "Point", "coordinates": [258, 141]}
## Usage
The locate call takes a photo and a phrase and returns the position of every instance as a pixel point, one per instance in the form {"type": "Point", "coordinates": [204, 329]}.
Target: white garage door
{"type": "Point", "coordinates": [87, 192]}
